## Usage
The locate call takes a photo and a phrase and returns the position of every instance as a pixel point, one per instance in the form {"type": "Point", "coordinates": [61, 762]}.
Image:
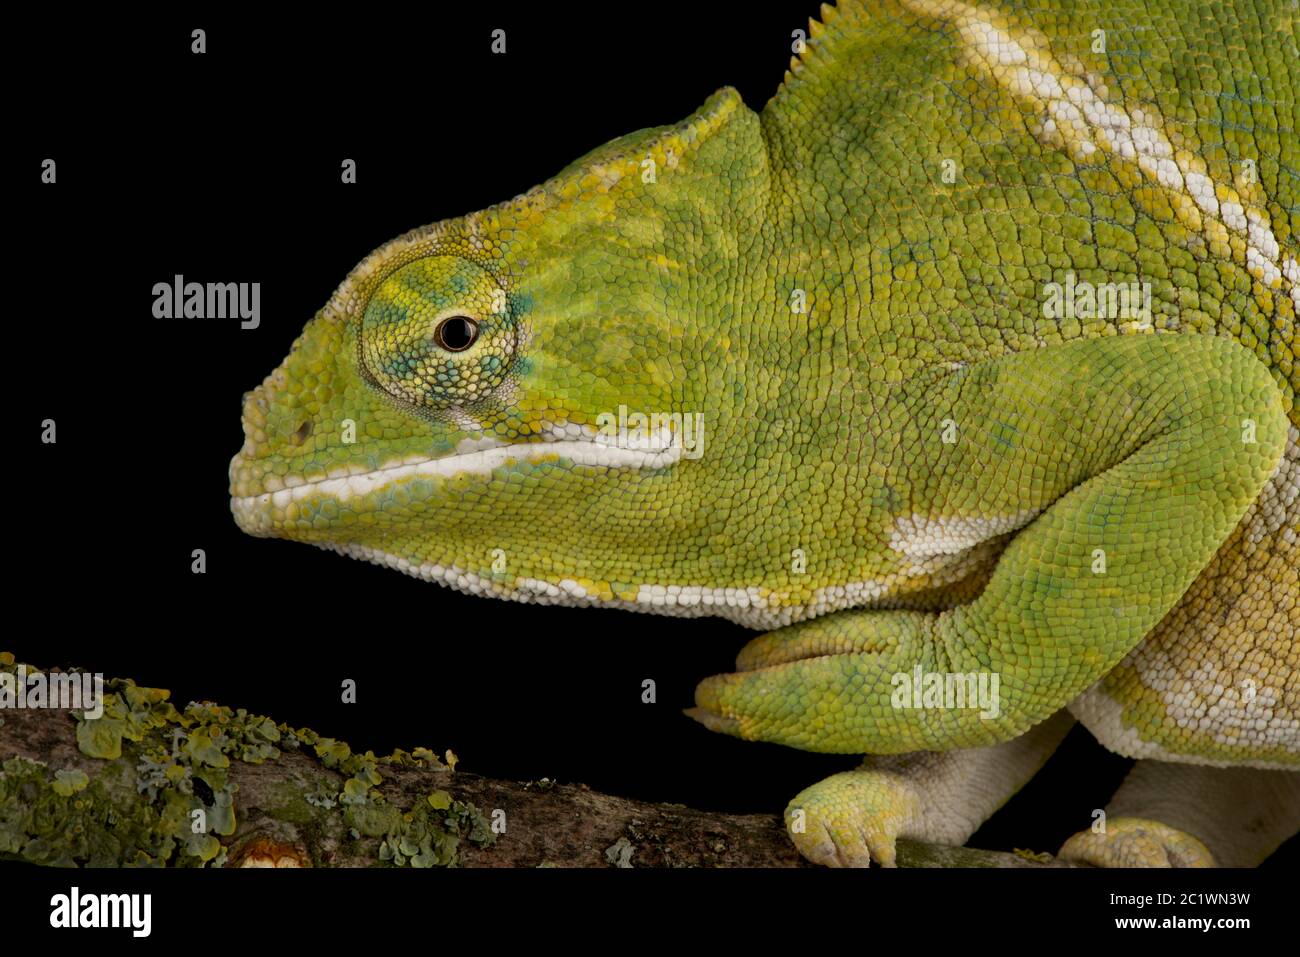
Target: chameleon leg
{"type": "Point", "coordinates": [854, 818]}
{"type": "Point", "coordinates": [1191, 815]}
{"type": "Point", "coordinates": [1145, 451]}
{"type": "Point", "coordinates": [1218, 681]}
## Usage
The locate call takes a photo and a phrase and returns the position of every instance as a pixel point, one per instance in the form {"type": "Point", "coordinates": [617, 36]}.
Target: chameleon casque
{"type": "Point", "coordinates": [913, 464]}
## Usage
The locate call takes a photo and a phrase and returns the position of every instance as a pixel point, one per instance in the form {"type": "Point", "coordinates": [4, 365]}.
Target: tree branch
{"type": "Point", "coordinates": [150, 784]}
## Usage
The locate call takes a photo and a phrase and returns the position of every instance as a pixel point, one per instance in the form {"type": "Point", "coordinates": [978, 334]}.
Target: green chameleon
{"type": "Point", "coordinates": [966, 370]}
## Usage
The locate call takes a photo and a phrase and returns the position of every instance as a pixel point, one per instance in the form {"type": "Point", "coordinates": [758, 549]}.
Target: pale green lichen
{"type": "Point", "coordinates": [429, 834]}
{"type": "Point", "coordinates": [619, 854]}
{"type": "Point", "coordinates": [425, 756]}
{"type": "Point", "coordinates": [40, 825]}
{"type": "Point", "coordinates": [324, 797]}
{"type": "Point", "coordinates": [68, 781]}
{"type": "Point", "coordinates": [355, 792]}
{"type": "Point", "coordinates": [182, 761]}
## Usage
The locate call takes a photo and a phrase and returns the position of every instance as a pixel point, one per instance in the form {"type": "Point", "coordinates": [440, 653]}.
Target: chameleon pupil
{"type": "Point", "coordinates": [456, 334]}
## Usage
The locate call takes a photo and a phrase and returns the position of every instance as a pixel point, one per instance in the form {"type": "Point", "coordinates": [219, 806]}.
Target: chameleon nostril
{"type": "Point", "coordinates": [302, 433]}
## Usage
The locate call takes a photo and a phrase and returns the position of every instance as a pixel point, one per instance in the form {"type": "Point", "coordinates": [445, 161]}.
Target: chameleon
{"type": "Point", "coordinates": [964, 372]}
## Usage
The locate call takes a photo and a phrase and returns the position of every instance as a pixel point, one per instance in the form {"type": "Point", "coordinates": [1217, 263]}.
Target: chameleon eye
{"type": "Point", "coordinates": [438, 332]}
{"type": "Point", "coordinates": [456, 333]}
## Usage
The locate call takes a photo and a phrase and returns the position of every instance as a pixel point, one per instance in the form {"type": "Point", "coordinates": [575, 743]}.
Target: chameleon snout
{"type": "Point", "coordinates": [251, 481]}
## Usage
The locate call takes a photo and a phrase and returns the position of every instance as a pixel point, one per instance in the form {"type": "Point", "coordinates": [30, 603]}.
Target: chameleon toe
{"type": "Point", "coordinates": [1136, 842]}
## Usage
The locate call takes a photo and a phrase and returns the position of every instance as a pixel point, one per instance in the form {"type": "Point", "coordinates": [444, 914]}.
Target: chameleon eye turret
{"type": "Point", "coordinates": [438, 333]}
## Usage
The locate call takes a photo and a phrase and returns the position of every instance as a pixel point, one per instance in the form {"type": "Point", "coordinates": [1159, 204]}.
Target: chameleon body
{"type": "Point", "coordinates": [971, 356]}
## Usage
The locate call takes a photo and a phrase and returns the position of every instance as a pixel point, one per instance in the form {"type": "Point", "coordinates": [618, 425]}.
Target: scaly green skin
{"type": "Point", "coordinates": [906, 462]}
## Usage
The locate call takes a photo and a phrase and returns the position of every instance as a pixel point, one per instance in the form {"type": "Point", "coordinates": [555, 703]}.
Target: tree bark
{"type": "Point", "coordinates": [285, 806]}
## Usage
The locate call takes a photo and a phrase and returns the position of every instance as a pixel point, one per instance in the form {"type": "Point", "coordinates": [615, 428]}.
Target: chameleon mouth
{"type": "Point", "coordinates": [259, 512]}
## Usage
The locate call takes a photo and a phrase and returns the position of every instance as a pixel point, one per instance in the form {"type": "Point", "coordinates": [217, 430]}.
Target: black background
{"type": "Point", "coordinates": [225, 167]}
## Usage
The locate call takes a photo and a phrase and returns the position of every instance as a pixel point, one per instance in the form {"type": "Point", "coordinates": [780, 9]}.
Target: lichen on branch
{"type": "Point", "coordinates": [153, 785]}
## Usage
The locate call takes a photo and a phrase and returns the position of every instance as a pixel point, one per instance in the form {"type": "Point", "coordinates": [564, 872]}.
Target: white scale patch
{"type": "Point", "coordinates": [1278, 506]}
{"type": "Point", "coordinates": [1222, 712]}
{"type": "Point", "coordinates": [935, 543]}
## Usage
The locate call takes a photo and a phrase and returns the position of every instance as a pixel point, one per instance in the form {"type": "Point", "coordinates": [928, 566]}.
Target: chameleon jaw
{"type": "Point", "coordinates": [257, 513]}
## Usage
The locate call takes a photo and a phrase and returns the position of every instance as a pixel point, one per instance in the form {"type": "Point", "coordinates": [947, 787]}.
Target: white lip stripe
{"type": "Point", "coordinates": [479, 462]}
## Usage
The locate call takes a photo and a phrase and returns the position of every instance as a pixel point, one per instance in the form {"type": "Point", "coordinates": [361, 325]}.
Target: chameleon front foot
{"type": "Point", "coordinates": [851, 819]}
{"type": "Point", "coordinates": [1137, 842]}
{"type": "Point", "coordinates": [852, 682]}
{"type": "Point", "coordinates": [854, 818]}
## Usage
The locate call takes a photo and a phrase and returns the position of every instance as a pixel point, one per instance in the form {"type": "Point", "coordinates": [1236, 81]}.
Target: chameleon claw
{"type": "Point", "coordinates": [714, 721]}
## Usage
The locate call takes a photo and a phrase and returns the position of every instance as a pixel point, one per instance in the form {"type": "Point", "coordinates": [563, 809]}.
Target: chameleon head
{"type": "Point", "coordinates": [511, 403]}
